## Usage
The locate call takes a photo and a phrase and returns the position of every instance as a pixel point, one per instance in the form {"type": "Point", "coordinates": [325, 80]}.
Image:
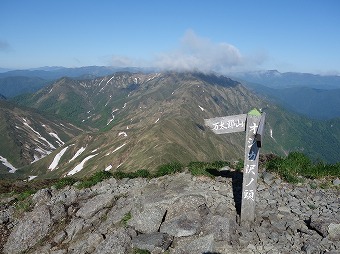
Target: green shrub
{"type": "Point", "coordinates": [239, 165]}
{"type": "Point", "coordinates": [297, 164]}
{"type": "Point", "coordinates": [143, 173]}
{"type": "Point", "coordinates": [25, 194]}
{"type": "Point", "coordinates": [168, 169]}
{"type": "Point", "coordinates": [63, 182]}
{"type": "Point", "coordinates": [126, 218]}
{"type": "Point", "coordinates": [140, 251]}
{"type": "Point", "coordinates": [94, 179]}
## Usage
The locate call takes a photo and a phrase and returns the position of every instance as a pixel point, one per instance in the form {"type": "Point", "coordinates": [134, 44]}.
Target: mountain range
{"type": "Point", "coordinates": [129, 121]}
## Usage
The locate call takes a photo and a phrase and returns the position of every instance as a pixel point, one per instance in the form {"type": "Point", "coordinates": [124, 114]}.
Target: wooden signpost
{"type": "Point", "coordinates": [253, 124]}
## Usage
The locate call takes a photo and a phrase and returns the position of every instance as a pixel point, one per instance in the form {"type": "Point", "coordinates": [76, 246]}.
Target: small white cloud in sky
{"type": "Point", "coordinates": [195, 53]}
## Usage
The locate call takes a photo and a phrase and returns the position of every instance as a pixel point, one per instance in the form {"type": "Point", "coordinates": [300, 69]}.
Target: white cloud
{"type": "Point", "coordinates": [195, 53]}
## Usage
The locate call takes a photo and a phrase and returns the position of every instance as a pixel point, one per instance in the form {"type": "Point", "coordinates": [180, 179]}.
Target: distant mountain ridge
{"type": "Point", "coordinates": [312, 95]}
{"type": "Point", "coordinates": [145, 120]}
{"type": "Point", "coordinates": [303, 94]}
{"type": "Point", "coordinates": [322, 104]}
{"type": "Point", "coordinates": [276, 79]}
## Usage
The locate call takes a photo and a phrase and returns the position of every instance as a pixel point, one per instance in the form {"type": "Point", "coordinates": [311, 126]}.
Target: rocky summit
{"type": "Point", "coordinates": [177, 213]}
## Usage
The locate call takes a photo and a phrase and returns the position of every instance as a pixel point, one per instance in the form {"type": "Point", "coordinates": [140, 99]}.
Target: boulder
{"type": "Point", "coordinates": [147, 218]}
{"type": "Point", "coordinates": [33, 227]}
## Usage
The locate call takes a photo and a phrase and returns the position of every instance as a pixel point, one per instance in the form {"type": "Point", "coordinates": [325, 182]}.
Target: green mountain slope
{"type": "Point", "coordinates": [26, 136]}
{"type": "Point", "coordinates": [145, 120]}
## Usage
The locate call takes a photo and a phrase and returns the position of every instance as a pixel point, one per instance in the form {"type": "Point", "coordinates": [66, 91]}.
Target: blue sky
{"type": "Point", "coordinates": [219, 35]}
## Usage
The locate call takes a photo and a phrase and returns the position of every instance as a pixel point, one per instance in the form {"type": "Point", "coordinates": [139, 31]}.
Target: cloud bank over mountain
{"type": "Point", "coordinates": [195, 53]}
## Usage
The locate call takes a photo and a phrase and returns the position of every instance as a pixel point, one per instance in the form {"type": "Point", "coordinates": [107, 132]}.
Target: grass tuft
{"type": "Point", "coordinates": [94, 179]}
{"type": "Point", "coordinates": [63, 182]}
{"type": "Point", "coordinates": [168, 169]}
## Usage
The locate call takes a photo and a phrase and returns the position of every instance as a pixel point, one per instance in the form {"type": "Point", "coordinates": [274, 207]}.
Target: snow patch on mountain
{"type": "Point", "coordinates": [79, 152]}
{"type": "Point", "coordinates": [271, 134]}
{"type": "Point", "coordinates": [30, 178]}
{"type": "Point", "coordinates": [201, 108]}
{"type": "Point", "coordinates": [122, 133]}
{"type": "Point", "coordinates": [106, 83]}
{"type": "Point", "coordinates": [108, 168]}
{"type": "Point", "coordinates": [7, 164]}
{"type": "Point", "coordinates": [60, 142]}
{"type": "Point", "coordinates": [119, 147]}
{"type": "Point", "coordinates": [57, 158]}
{"type": "Point", "coordinates": [38, 134]}
{"type": "Point", "coordinates": [80, 166]}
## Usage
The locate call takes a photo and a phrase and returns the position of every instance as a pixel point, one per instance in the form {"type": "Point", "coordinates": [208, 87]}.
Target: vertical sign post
{"type": "Point", "coordinates": [253, 124]}
{"type": "Point", "coordinates": [251, 161]}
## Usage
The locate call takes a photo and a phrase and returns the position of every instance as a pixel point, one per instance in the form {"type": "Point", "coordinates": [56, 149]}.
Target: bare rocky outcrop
{"type": "Point", "coordinates": [178, 213]}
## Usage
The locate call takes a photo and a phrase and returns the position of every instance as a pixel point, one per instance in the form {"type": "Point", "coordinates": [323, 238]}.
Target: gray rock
{"type": "Point", "coordinates": [30, 229]}
{"type": "Point", "coordinates": [196, 245]}
{"type": "Point", "coordinates": [183, 225]}
{"type": "Point", "coordinates": [152, 241]}
{"type": "Point", "coordinates": [147, 218]}
{"type": "Point", "coordinates": [284, 209]}
{"type": "Point", "coordinates": [311, 247]}
{"type": "Point", "coordinates": [41, 196]}
{"type": "Point", "coordinates": [321, 224]}
{"type": "Point", "coordinates": [334, 231]}
{"type": "Point", "coordinates": [336, 182]}
{"type": "Point", "coordinates": [66, 196]}
{"type": "Point", "coordinates": [268, 178]}
{"type": "Point", "coordinates": [218, 226]}
{"type": "Point", "coordinates": [6, 215]}
{"type": "Point", "coordinates": [95, 204]}
{"type": "Point", "coordinates": [118, 242]}
{"type": "Point", "coordinates": [184, 204]}
{"type": "Point", "coordinates": [86, 244]}
{"type": "Point", "coordinates": [58, 212]}
{"type": "Point", "coordinates": [74, 228]}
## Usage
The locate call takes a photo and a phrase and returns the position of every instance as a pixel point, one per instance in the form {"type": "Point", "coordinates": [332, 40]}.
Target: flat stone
{"type": "Point", "coordinates": [184, 225]}
{"type": "Point", "coordinates": [93, 205]}
{"type": "Point", "coordinates": [218, 226]}
{"type": "Point", "coordinates": [198, 245]}
{"type": "Point", "coordinates": [152, 241]}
